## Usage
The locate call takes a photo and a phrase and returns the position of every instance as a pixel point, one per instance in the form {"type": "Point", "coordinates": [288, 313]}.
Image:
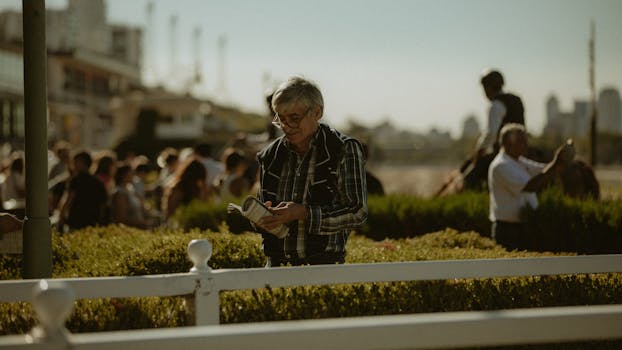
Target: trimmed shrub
{"type": "Point", "coordinates": [118, 250]}
{"type": "Point", "coordinates": [168, 254]}
{"type": "Point", "coordinates": [210, 216]}
{"type": "Point", "coordinates": [559, 224]}
{"type": "Point", "coordinates": [395, 216]}
{"type": "Point", "coordinates": [400, 216]}
{"type": "Point", "coordinates": [417, 297]}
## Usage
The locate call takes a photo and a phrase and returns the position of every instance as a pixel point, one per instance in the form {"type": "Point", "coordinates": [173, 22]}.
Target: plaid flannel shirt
{"type": "Point", "coordinates": [334, 219]}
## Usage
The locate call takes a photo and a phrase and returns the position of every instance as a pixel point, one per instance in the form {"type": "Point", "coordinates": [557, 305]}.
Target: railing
{"type": "Point", "coordinates": [466, 329]}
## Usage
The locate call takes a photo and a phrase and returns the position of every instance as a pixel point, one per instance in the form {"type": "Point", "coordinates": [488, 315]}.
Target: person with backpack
{"type": "Point", "coordinates": [504, 108]}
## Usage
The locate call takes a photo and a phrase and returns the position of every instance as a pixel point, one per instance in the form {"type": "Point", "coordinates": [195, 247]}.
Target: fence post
{"type": "Point", "coordinates": [52, 302]}
{"type": "Point", "coordinates": [206, 302]}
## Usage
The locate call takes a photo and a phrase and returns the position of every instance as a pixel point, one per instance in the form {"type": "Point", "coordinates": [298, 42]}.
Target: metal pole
{"type": "Point", "coordinates": [37, 239]}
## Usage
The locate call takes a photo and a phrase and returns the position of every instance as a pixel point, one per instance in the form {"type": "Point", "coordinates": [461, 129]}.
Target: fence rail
{"type": "Point", "coordinates": [422, 331]}
{"type": "Point", "coordinates": [234, 279]}
{"type": "Point", "coordinates": [204, 284]}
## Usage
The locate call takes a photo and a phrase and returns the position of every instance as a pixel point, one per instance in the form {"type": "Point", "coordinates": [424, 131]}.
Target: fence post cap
{"type": "Point", "coordinates": [52, 302]}
{"type": "Point", "coordinates": [200, 251]}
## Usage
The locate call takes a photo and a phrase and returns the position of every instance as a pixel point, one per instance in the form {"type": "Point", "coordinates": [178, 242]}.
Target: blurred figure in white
{"type": "Point", "coordinates": [214, 168]}
{"type": "Point", "coordinates": [13, 186]}
{"type": "Point", "coordinates": [232, 183]}
{"type": "Point", "coordinates": [126, 206]}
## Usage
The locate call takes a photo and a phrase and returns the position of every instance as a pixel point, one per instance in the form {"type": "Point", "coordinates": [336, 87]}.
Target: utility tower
{"type": "Point", "coordinates": [172, 69]}
{"type": "Point", "coordinates": [149, 67]}
{"type": "Point", "coordinates": [594, 117]}
{"type": "Point", "coordinates": [221, 89]}
{"type": "Point", "coordinates": [197, 76]}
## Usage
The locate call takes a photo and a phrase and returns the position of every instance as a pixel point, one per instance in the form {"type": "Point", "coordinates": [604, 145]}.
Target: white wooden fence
{"type": "Point", "coordinates": [53, 301]}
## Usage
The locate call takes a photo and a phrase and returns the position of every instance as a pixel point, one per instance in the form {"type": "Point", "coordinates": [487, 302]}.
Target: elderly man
{"type": "Point", "coordinates": [513, 181]}
{"type": "Point", "coordinates": [312, 179]}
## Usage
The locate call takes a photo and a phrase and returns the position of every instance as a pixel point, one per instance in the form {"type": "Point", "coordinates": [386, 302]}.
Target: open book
{"type": "Point", "coordinates": [254, 210]}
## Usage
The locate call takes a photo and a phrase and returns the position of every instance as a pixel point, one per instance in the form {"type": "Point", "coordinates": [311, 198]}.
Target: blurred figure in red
{"type": "Point", "coordinates": [189, 184]}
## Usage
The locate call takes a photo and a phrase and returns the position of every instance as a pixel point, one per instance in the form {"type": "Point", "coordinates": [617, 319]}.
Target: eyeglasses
{"type": "Point", "coordinates": [292, 122]}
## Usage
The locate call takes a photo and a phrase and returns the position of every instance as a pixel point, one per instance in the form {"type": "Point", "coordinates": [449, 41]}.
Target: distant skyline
{"type": "Point", "coordinates": [414, 62]}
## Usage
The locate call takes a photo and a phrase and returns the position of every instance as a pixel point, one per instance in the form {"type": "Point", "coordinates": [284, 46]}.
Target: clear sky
{"type": "Point", "coordinates": [414, 62]}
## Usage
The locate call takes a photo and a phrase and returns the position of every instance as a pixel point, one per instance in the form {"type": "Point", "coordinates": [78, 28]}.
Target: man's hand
{"type": "Point", "coordinates": [480, 153]}
{"type": "Point", "coordinates": [284, 213]}
{"type": "Point", "coordinates": [564, 155]}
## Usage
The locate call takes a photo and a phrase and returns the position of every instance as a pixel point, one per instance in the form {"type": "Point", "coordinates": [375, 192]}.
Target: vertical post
{"type": "Point", "coordinates": [37, 238]}
{"type": "Point", "coordinates": [594, 116]}
{"type": "Point", "coordinates": [52, 302]}
{"type": "Point", "coordinates": [205, 303]}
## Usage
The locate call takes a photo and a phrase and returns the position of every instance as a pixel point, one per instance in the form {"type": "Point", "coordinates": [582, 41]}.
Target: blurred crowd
{"type": "Point", "coordinates": [89, 188]}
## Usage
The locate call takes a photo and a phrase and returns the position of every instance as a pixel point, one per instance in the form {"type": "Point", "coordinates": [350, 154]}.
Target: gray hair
{"type": "Point", "coordinates": [508, 130]}
{"type": "Point", "coordinates": [298, 90]}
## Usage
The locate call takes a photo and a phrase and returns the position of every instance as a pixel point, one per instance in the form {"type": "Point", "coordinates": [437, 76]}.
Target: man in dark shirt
{"type": "Point", "coordinates": [84, 203]}
{"type": "Point", "coordinates": [313, 180]}
{"type": "Point", "coordinates": [504, 108]}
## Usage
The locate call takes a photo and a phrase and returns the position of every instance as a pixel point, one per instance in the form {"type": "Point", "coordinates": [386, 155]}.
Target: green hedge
{"type": "Point", "coordinates": [559, 224]}
{"type": "Point", "coordinates": [118, 250]}
{"type": "Point", "coordinates": [400, 216]}
{"type": "Point", "coordinates": [210, 216]}
{"type": "Point", "coordinates": [125, 251]}
{"type": "Point", "coordinates": [584, 226]}
{"type": "Point", "coordinates": [395, 216]}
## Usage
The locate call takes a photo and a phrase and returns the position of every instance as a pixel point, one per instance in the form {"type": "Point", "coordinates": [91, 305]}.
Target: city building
{"type": "Point", "coordinates": [552, 109]}
{"type": "Point", "coordinates": [179, 119]}
{"type": "Point", "coordinates": [11, 96]}
{"type": "Point", "coordinates": [576, 123]}
{"type": "Point", "coordinates": [470, 128]}
{"type": "Point", "coordinates": [564, 124]}
{"type": "Point", "coordinates": [81, 85]}
{"type": "Point", "coordinates": [579, 124]}
{"type": "Point", "coordinates": [609, 111]}
{"type": "Point", "coordinates": [89, 62]}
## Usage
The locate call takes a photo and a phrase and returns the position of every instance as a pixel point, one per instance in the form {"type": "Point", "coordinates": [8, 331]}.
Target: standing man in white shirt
{"type": "Point", "coordinates": [513, 181]}
{"type": "Point", "coordinates": [504, 108]}
{"type": "Point", "coordinates": [214, 168]}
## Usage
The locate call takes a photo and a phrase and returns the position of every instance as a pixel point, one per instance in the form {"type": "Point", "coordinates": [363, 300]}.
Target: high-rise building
{"type": "Point", "coordinates": [89, 62]}
{"type": "Point", "coordinates": [88, 28]}
{"type": "Point", "coordinates": [127, 44]}
{"type": "Point", "coordinates": [11, 27]}
{"type": "Point", "coordinates": [470, 127]}
{"type": "Point", "coordinates": [552, 109]}
{"type": "Point", "coordinates": [580, 125]}
{"type": "Point", "coordinates": [553, 126]}
{"type": "Point", "coordinates": [81, 26]}
{"type": "Point", "coordinates": [567, 123]}
{"type": "Point", "coordinates": [609, 111]}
